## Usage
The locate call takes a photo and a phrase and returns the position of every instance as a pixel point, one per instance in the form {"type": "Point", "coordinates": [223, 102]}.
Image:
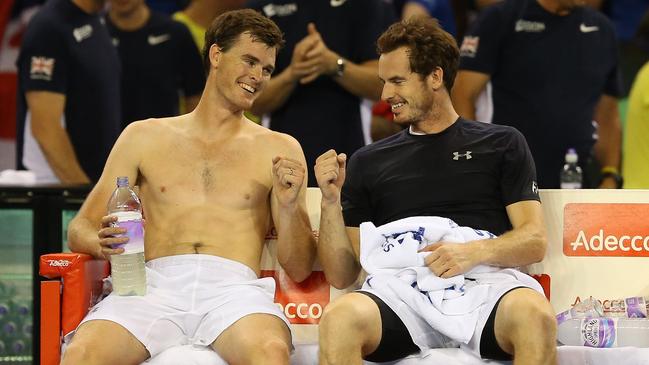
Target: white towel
{"type": "Point", "coordinates": [396, 270]}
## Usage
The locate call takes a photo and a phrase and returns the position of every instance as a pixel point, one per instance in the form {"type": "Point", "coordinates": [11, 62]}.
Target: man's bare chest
{"type": "Point", "coordinates": [227, 176]}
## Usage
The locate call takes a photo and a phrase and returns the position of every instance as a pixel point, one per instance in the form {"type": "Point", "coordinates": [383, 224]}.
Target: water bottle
{"type": "Point", "coordinates": [604, 332]}
{"type": "Point", "coordinates": [587, 308]}
{"type": "Point", "coordinates": [571, 175]}
{"type": "Point", "coordinates": [127, 268]}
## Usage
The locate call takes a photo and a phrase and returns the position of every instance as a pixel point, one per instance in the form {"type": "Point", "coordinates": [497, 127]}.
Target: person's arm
{"type": "Point", "coordinates": [608, 146]}
{"type": "Point", "coordinates": [281, 86]}
{"type": "Point", "coordinates": [338, 246]}
{"type": "Point", "coordinates": [190, 67]}
{"type": "Point", "coordinates": [90, 232]}
{"type": "Point", "coordinates": [358, 79]}
{"type": "Point", "coordinates": [296, 248]}
{"type": "Point", "coordinates": [466, 89]}
{"type": "Point", "coordinates": [525, 244]}
{"type": "Point", "coordinates": [277, 91]}
{"type": "Point", "coordinates": [46, 110]}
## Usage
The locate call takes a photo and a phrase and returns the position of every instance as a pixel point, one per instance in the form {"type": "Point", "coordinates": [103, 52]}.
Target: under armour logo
{"type": "Point", "coordinates": [457, 155]}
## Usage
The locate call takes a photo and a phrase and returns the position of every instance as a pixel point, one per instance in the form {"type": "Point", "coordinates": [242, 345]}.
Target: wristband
{"type": "Point", "coordinates": [610, 170]}
{"type": "Point", "coordinates": [619, 181]}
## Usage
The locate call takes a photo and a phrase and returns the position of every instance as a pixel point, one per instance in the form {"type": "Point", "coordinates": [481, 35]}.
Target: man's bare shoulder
{"type": "Point", "coordinates": [150, 130]}
{"type": "Point", "coordinates": [274, 141]}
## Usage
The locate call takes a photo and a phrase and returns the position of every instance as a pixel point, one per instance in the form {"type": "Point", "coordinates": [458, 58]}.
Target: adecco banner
{"type": "Point", "coordinates": [606, 229]}
{"type": "Point", "coordinates": [302, 303]}
{"type": "Point", "coordinates": [596, 245]}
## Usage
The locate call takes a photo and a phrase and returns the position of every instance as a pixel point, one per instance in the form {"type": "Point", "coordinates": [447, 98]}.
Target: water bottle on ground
{"type": "Point", "coordinates": [604, 332]}
{"type": "Point", "coordinates": [571, 175]}
{"type": "Point", "coordinates": [127, 269]}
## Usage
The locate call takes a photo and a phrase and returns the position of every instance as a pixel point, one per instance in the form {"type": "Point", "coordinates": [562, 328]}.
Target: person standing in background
{"type": "Point", "coordinates": [635, 165]}
{"type": "Point", "coordinates": [442, 10]}
{"type": "Point", "coordinates": [328, 66]}
{"type": "Point", "coordinates": [198, 15]}
{"type": "Point", "coordinates": [159, 59]}
{"type": "Point", "coordinates": [538, 55]}
{"type": "Point", "coordinates": [68, 93]}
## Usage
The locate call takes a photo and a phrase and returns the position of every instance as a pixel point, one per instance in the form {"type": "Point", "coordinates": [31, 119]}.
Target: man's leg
{"type": "Point", "coordinates": [350, 328]}
{"type": "Point", "coordinates": [525, 326]}
{"type": "Point", "coordinates": [255, 339]}
{"type": "Point", "coordinates": [104, 342]}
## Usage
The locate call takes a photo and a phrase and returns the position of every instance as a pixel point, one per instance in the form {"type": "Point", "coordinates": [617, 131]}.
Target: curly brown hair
{"type": "Point", "coordinates": [429, 46]}
{"type": "Point", "coordinates": [226, 28]}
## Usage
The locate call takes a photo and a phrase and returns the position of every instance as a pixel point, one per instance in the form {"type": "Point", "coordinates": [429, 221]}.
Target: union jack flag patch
{"type": "Point", "coordinates": [42, 68]}
{"type": "Point", "coordinates": [469, 46]}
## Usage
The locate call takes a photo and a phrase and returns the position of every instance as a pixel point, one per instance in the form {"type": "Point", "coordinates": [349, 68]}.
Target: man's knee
{"type": "Point", "coordinates": [77, 353]}
{"type": "Point", "coordinates": [527, 312]}
{"type": "Point", "coordinates": [354, 311]}
{"type": "Point", "coordinates": [266, 349]}
{"type": "Point", "coordinates": [275, 348]}
{"type": "Point", "coordinates": [104, 342]}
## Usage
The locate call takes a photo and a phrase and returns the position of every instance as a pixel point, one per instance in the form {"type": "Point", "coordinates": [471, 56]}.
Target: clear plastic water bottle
{"type": "Point", "coordinates": [587, 308]}
{"type": "Point", "coordinates": [127, 269]}
{"type": "Point", "coordinates": [604, 332]}
{"type": "Point", "coordinates": [571, 175]}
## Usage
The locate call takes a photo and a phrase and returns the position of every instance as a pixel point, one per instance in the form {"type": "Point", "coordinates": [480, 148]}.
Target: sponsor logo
{"type": "Point", "coordinates": [336, 3]}
{"type": "Point", "coordinates": [154, 40]}
{"type": "Point", "coordinates": [457, 155]}
{"type": "Point", "coordinates": [59, 263]}
{"type": "Point", "coordinates": [588, 29]}
{"type": "Point", "coordinates": [83, 32]}
{"type": "Point", "coordinates": [469, 46]}
{"type": "Point", "coordinates": [606, 229]}
{"type": "Point", "coordinates": [301, 303]}
{"type": "Point", "coordinates": [272, 10]}
{"type": "Point", "coordinates": [42, 68]}
{"type": "Point", "coordinates": [529, 26]}
{"type": "Point", "coordinates": [535, 188]}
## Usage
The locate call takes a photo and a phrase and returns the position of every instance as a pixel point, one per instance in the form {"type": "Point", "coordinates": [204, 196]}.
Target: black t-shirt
{"type": "Point", "coordinates": [158, 60]}
{"type": "Point", "coordinates": [322, 114]}
{"type": "Point", "coordinates": [469, 172]}
{"type": "Point", "coordinates": [68, 51]}
{"type": "Point", "coordinates": [547, 73]}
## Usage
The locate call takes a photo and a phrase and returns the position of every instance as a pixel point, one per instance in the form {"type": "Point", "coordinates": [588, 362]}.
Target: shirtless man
{"type": "Point", "coordinates": [210, 183]}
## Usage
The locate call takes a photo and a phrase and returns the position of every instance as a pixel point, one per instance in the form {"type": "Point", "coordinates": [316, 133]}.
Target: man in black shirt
{"type": "Point", "coordinates": [68, 93]}
{"type": "Point", "coordinates": [327, 66]}
{"type": "Point", "coordinates": [480, 175]}
{"type": "Point", "coordinates": [159, 60]}
{"type": "Point", "coordinates": [553, 69]}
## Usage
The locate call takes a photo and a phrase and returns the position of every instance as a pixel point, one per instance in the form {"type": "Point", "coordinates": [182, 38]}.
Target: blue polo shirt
{"type": "Point", "coordinates": [158, 60]}
{"type": "Point", "coordinates": [68, 51]}
{"type": "Point", "coordinates": [548, 73]}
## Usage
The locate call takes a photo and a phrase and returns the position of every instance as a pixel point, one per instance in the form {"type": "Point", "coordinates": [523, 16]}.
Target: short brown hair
{"type": "Point", "coordinates": [226, 28]}
{"type": "Point", "coordinates": [429, 46]}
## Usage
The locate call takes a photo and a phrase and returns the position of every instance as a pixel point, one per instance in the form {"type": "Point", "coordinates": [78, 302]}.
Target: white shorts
{"type": "Point", "coordinates": [190, 299]}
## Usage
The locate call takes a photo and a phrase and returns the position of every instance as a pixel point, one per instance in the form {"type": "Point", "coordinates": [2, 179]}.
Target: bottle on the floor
{"type": "Point", "coordinates": [604, 332]}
